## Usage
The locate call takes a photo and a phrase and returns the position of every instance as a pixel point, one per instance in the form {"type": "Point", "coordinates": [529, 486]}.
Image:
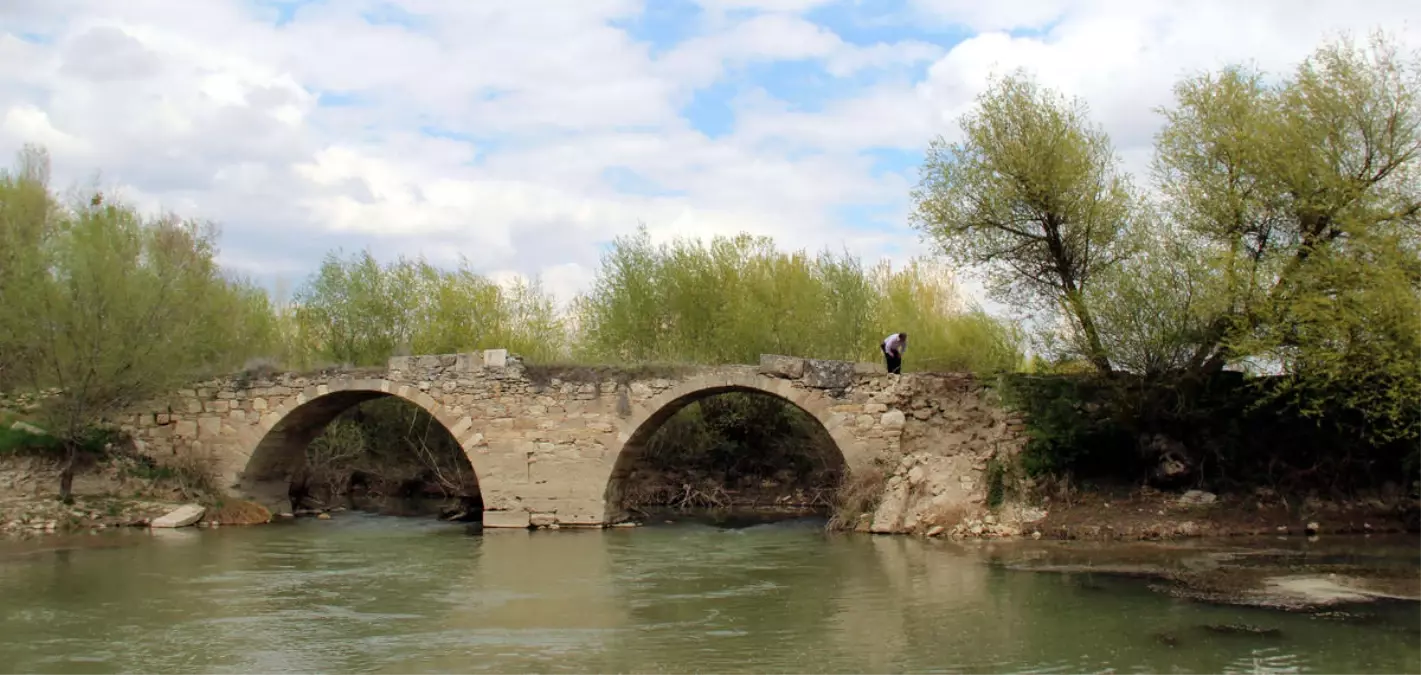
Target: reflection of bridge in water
{"type": "Point", "coordinates": [550, 445]}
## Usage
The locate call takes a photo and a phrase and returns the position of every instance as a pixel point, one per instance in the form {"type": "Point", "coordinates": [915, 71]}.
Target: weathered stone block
{"type": "Point", "coordinates": [870, 368]}
{"type": "Point", "coordinates": [185, 429]}
{"type": "Point", "coordinates": [820, 374]}
{"type": "Point", "coordinates": [495, 358]}
{"type": "Point", "coordinates": [209, 427]}
{"type": "Point", "coordinates": [182, 516]}
{"type": "Point", "coordinates": [775, 365]}
{"type": "Point", "coordinates": [893, 419]}
{"type": "Point", "coordinates": [510, 519]}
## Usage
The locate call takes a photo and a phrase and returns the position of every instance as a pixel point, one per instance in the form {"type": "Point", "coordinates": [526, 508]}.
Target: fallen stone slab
{"type": "Point", "coordinates": [787, 367]}
{"type": "Point", "coordinates": [182, 516]}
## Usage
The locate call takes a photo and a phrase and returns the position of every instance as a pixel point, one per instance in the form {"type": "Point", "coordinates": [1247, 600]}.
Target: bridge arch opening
{"type": "Point", "coordinates": [740, 452]}
{"type": "Point", "coordinates": [366, 450]}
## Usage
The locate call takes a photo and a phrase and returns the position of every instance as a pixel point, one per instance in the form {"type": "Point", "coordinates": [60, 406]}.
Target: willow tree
{"type": "Point", "coordinates": [114, 308]}
{"type": "Point", "coordinates": [1305, 196]}
{"type": "Point", "coordinates": [26, 223]}
{"type": "Point", "coordinates": [1032, 195]}
{"type": "Point", "coordinates": [733, 298]}
{"type": "Point", "coordinates": [355, 310]}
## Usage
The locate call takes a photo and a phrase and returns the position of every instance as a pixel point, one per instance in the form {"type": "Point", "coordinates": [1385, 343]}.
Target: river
{"type": "Point", "coordinates": [378, 594]}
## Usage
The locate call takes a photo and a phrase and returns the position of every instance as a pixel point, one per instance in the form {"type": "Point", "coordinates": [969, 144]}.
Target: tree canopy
{"type": "Point", "coordinates": [1283, 233]}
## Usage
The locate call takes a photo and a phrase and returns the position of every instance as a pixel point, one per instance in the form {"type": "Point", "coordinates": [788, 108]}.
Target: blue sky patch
{"type": "Point", "coordinates": [390, 14]}
{"type": "Point", "coordinates": [627, 181]}
{"type": "Point", "coordinates": [894, 161]}
{"type": "Point", "coordinates": [710, 111]}
{"type": "Point", "coordinates": [663, 24]}
{"type": "Point", "coordinates": [340, 99]}
{"type": "Point", "coordinates": [866, 24]}
{"type": "Point", "coordinates": [279, 12]}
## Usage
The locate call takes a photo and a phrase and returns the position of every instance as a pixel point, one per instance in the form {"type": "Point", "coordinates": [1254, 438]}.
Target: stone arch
{"type": "Point", "coordinates": [646, 418]}
{"type": "Point", "coordinates": [289, 426]}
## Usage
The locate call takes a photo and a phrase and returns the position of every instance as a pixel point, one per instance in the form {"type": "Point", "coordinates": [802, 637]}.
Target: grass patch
{"type": "Point", "coordinates": [23, 443]}
{"type": "Point", "coordinates": [996, 483]}
{"type": "Point", "coordinates": [858, 494]}
{"type": "Point", "coordinates": [144, 468]}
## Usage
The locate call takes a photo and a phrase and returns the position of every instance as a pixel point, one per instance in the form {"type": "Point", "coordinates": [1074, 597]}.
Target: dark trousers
{"type": "Point", "coordinates": [895, 363]}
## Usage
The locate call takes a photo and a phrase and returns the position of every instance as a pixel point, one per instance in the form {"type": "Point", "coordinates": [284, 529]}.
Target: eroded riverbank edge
{"type": "Point", "coordinates": [1281, 573]}
{"type": "Point", "coordinates": [119, 491]}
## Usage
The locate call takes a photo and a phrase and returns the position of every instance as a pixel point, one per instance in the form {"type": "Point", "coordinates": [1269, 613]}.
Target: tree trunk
{"type": "Point", "coordinates": [66, 474]}
{"type": "Point", "coordinates": [1097, 354]}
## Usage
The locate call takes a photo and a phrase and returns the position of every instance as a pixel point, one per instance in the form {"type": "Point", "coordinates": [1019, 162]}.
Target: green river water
{"type": "Point", "coordinates": [380, 594]}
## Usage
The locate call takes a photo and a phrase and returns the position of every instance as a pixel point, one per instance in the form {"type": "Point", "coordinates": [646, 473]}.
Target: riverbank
{"type": "Point", "coordinates": [118, 491]}
{"type": "Point", "coordinates": [123, 491]}
{"type": "Point", "coordinates": [1148, 514]}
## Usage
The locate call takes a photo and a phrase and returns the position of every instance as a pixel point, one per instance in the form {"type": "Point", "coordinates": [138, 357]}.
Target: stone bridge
{"type": "Point", "coordinates": [551, 444]}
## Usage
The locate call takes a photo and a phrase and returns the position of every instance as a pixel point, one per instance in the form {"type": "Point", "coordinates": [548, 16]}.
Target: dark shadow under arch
{"type": "Point", "coordinates": [281, 451]}
{"type": "Point", "coordinates": [633, 450]}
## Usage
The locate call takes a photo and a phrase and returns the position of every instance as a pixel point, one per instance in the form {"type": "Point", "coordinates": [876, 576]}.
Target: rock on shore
{"type": "Point", "coordinates": [183, 516]}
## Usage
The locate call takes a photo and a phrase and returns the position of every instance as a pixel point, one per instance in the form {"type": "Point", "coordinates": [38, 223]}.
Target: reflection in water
{"type": "Point", "coordinates": [374, 594]}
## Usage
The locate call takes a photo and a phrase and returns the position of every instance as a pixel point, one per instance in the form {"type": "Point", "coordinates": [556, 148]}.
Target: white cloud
{"type": "Point", "coordinates": [212, 110]}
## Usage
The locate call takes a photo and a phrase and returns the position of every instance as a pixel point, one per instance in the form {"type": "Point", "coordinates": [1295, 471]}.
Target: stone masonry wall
{"type": "Point", "coordinates": [954, 425]}
{"type": "Point", "coordinates": [545, 443]}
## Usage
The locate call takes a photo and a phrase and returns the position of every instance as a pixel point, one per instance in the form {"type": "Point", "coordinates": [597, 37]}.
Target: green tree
{"type": "Point", "coordinates": [1153, 305]}
{"type": "Point", "coordinates": [733, 298]}
{"type": "Point", "coordinates": [1032, 194]}
{"type": "Point", "coordinates": [1304, 195]}
{"type": "Point", "coordinates": [1273, 176]}
{"type": "Point", "coordinates": [27, 213]}
{"type": "Point", "coordinates": [944, 333]}
{"type": "Point", "coordinates": [114, 309]}
{"type": "Point", "coordinates": [359, 312]}
{"type": "Point", "coordinates": [533, 325]}
{"type": "Point", "coordinates": [352, 309]}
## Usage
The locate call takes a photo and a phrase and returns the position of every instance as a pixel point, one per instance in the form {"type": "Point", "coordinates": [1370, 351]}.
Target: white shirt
{"type": "Point", "coordinates": [892, 343]}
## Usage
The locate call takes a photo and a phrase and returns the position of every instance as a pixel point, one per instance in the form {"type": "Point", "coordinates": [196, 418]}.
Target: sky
{"type": "Point", "coordinates": [525, 136]}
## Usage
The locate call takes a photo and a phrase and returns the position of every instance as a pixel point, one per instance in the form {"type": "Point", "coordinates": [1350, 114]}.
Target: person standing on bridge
{"type": "Point", "coordinates": [893, 347]}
